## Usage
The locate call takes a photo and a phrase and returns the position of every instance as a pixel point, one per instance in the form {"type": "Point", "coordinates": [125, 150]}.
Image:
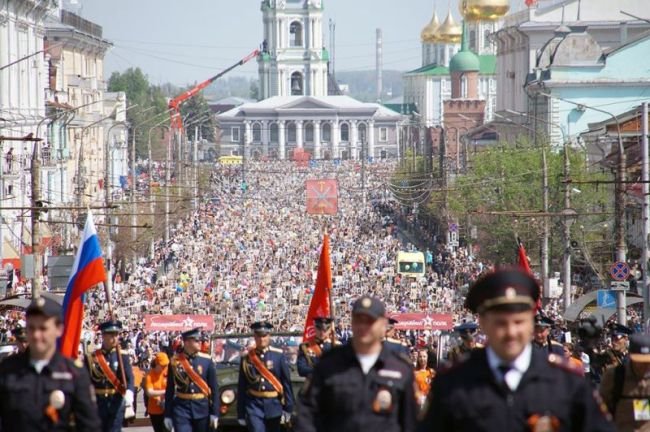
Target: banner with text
{"type": "Point", "coordinates": [178, 322]}
{"type": "Point", "coordinates": [322, 196]}
{"type": "Point", "coordinates": [423, 321]}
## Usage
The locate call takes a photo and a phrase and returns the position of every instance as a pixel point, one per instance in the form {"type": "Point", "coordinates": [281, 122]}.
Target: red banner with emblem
{"type": "Point", "coordinates": [178, 322]}
{"type": "Point", "coordinates": [423, 321]}
{"type": "Point", "coordinates": [322, 196]}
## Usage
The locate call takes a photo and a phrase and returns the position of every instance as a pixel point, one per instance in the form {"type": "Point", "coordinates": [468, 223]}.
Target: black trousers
{"type": "Point", "coordinates": [158, 422]}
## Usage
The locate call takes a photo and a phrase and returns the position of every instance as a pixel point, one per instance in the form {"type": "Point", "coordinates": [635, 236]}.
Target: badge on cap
{"type": "Point", "coordinates": [510, 293]}
{"type": "Point", "coordinates": [383, 401]}
{"type": "Point", "coordinates": [545, 423]}
{"type": "Point", "coordinates": [366, 302]}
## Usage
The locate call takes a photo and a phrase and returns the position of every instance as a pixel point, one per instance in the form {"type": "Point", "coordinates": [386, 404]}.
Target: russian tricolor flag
{"type": "Point", "coordinates": [87, 271]}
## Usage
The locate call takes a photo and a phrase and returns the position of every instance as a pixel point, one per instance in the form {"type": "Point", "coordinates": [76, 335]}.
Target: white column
{"type": "Point", "coordinates": [266, 137]}
{"type": "Point", "coordinates": [371, 139]}
{"type": "Point", "coordinates": [354, 138]}
{"type": "Point", "coordinates": [335, 138]}
{"type": "Point", "coordinates": [248, 138]}
{"type": "Point", "coordinates": [299, 134]}
{"type": "Point", "coordinates": [317, 150]}
{"type": "Point", "coordinates": [281, 139]}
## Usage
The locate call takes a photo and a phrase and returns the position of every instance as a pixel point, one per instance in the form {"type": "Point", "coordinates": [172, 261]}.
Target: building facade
{"type": "Point", "coordinates": [294, 60]}
{"type": "Point", "coordinates": [327, 127]}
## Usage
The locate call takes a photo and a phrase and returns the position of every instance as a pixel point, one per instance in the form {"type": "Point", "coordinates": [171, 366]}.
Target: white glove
{"type": "Point", "coordinates": [242, 422]}
{"type": "Point", "coordinates": [169, 424]}
{"type": "Point", "coordinates": [129, 413]}
{"type": "Point", "coordinates": [286, 417]}
{"type": "Point", "coordinates": [214, 422]}
{"type": "Point", "coordinates": [128, 398]}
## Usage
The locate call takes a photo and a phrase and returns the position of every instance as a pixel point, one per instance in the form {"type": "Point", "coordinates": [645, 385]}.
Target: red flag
{"type": "Point", "coordinates": [523, 259]}
{"type": "Point", "coordinates": [531, 3]}
{"type": "Point", "coordinates": [320, 302]}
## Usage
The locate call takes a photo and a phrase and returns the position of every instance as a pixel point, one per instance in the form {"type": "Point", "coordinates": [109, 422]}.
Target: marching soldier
{"type": "Point", "coordinates": [509, 386]}
{"type": "Point", "coordinates": [114, 397]}
{"type": "Point", "coordinates": [265, 397]}
{"type": "Point", "coordinates": [192, 396]}
{"type": "Point", "coordinates": [466, 331]}
{"type": "Point", "coordinates": [40, 390]}
{"type": "Point", "coordinates": [542, 339]}
{"type": "Point", "coordinates": [310, 352]}
{"type": "Point", "coordinates": [391, 342]}
{"type": "Point", "coordinates": [363, 385]}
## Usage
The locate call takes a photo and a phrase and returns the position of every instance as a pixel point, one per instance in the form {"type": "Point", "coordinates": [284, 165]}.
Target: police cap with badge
{"type": "Point", "coordinates": [44, 306]}
{"type": "Point", "coordinates": [618, 331]}
{"type": "Point", "coordinates": [370, 306]}
{"type": "Point", "coordinates": [323, 323]}
{"type": "Point", "coordinates": [112, 326]}
{"type": "Point", "coordinates": [466, 329]}
{"type": "Point", "coordinates": [195, 334]}
{"type": "Point", "coordinates": [505, 290]}
{"type": "Point", "coordinates": [542, 321]}
{"type": "Point", "coordinates": [261, 328]}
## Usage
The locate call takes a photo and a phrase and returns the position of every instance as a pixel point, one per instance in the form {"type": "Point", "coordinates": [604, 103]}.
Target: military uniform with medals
{"type": "Point", "coordinates": [460, 352]}
{"type": "Point", "coordinates": [310, 352]}
{"type": "Point", "coordinates": [51, 396]}
{"type": "Point", "coordinates": [264, 393]}
{"type": "Point", "coordinates": [535, 392]}
{"type": "Point", "coordinates": [549, 346]}
{"type": "Point", "coordinates": [340, 397]}
{"type": "Point", "coordinates": [112, 394]}
{"type": "Point", "coordinates": [191, 398]}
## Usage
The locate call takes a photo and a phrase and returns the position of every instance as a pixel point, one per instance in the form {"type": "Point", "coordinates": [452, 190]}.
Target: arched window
{"type": "Point", "coordinates": [463, 86]}
{"type": "Point", "coordinates": [257, 133]}
{"type": "Point", "coordinates": [291, 132]}
{"type": "Point", "coordinates": [309, 132]}
{"type": "Point", "coordinates": [326, 133]}
{"type": "Point", "coordinates": [295, 34]}
{"type": "Point", "coordinates": [345, 132]}
{"type": "Point", "coordinates": [296, 84]}
{"type": "Point", "coordinates": [274, 133]}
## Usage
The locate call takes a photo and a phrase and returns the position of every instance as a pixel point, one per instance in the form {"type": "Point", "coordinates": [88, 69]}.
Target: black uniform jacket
{"type": "Point", "coordinates": [468, 397]}
{"type": "Point", "coordinates": [26, 394]}
{"type": "Point", "coordinates": [340, 398]}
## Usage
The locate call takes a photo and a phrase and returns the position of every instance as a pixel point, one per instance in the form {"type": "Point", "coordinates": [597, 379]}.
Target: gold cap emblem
{"type": "Point", "coordinates": [40, 302]}
{"type": "Point", "coordinates": [511, 293]}
{"type": "Point", "coordinates": [366, 302]}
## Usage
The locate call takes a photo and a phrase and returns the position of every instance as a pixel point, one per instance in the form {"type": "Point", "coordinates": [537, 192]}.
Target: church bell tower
{"type": "Point", "coordinates": [294, 60]}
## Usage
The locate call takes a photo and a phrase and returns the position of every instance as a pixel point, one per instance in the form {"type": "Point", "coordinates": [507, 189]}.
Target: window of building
{"type": "Point", "coordinates": [257, 133]}
{"type": "Point", "coordinates": [326, 133]}
{"type": "Point", "coordinates": [486, 39]}
{"type": "Point", "coordinates": [291, 132]}
{"type": "Point", "coordinates": [383, 134]}
{"type": "Point", "coordinates": [345, 132]}
{"type": "Point", "coordinates": [309, 132]}
{"type": "Point", "coordinates": [296, 84]}
{"type": "Point", "coordinates": [472, 39]}
{"type": "Point", "coordinates": [295, 34]}
{"type": "Point", "coordinates": [274, 133]}
{"type": "Point", "coordinates": [234, 134]}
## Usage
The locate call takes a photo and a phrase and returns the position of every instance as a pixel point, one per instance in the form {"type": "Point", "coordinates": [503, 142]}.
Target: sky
{"type": "Point", "coordinates": [184, 41]}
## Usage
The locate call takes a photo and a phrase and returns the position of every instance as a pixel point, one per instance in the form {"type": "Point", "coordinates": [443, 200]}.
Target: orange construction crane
{"type": "Point", "coordinates": [175, 103]}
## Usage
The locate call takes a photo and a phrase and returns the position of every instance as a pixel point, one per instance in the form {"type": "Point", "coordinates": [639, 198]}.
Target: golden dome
{"type": "Point", "coordinates": [449, 31]}
{"type": "Point", "coordinates": [483, 10]}
{"type": "Point", "coordinates": [429, 32]}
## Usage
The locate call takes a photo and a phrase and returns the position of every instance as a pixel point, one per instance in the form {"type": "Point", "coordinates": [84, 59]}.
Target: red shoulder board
{"type": "Point", "coordinates": [562, 363]}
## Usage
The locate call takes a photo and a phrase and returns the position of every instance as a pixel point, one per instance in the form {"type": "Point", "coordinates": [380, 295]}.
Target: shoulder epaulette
{"type": "Point", "coordinates": [274, 349]}
{"type": "Point", "coordinates": [562, 363]}
{"type": "Point", "coordinates": [479, 345]}
{"type": "Point", "coordinates": [204, 355]}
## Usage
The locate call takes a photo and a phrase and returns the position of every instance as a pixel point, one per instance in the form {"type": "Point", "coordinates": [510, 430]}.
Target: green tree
{"type": "Point", "coordinates": [197, 113]}
{"type": "Point", "coordinates": [503, 189]}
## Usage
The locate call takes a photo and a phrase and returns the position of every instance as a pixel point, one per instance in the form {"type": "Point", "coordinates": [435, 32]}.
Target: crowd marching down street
{"type": "Point", "coordinates": [253, 258]}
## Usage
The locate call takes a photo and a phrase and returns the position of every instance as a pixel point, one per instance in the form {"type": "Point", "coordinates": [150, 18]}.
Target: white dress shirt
{"type": "Point", "coordinates": [518, 366]}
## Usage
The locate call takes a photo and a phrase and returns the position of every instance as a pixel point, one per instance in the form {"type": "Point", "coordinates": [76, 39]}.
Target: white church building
{"type": "Point", "coordinates": [302, 107]}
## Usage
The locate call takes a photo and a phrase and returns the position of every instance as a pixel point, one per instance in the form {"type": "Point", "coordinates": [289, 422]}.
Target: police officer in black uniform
{"type": "Point", "coordinates": [114, 396]}
{"type": "Point", "coordinates": [363, 385]}
{"type": "Point", "coordinates": [509, 386]}
{"type": "Point", "coordinates": [542, 339]}
{"type": "Point", "coordinates": [40, 390]}
{"type": "Point", "coordinates": [310, 351]}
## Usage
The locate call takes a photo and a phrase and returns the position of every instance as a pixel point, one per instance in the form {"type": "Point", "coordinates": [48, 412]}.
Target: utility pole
{"type": "Point", "coordinates": [566, 268]}
{"type": "Point", "coordinates": [363, 167]}
{"type": "Point", "coordinates": [36, 213]}
{"type": "Point", "coordinates": [645, 178]}
{"type": "Point", "coordinates": [545, 281]}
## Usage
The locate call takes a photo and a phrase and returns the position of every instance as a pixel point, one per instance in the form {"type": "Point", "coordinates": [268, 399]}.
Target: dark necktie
{"type": "Point", "coordinates": [504, 369]}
